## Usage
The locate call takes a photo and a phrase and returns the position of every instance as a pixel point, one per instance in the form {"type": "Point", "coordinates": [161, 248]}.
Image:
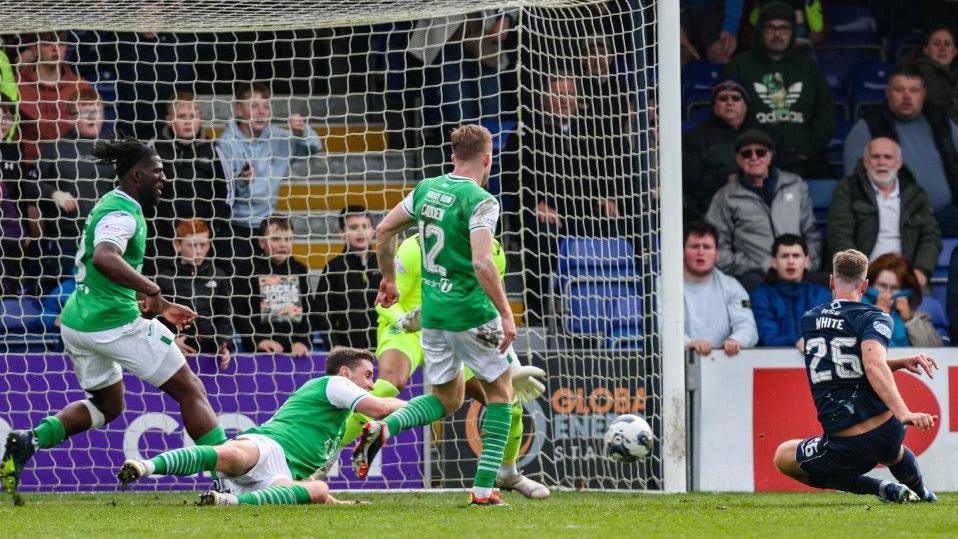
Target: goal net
{"type": "Point", "coordinates": [279, 117]}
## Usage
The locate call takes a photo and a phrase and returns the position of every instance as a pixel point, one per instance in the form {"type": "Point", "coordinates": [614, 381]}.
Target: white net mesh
{"type": "Point", "coordinates": [357, 103]}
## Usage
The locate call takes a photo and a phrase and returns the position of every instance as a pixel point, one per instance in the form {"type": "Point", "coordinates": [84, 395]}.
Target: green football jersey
{"type": "Point", "coordinates": [448, 208]}
{"type": "Point", "coordinates": [99, 304]}
{"type": "Point", "coordinates": [310, 424]}
{"type": "Point", "coordinates": [408, 279]}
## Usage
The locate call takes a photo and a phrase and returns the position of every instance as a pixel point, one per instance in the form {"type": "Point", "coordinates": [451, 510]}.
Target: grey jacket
{"type": "Point", "coordinates": [747, 226]}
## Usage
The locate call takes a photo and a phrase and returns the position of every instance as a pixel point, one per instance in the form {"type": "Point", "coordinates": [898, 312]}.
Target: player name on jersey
{"type": "Point", "coordinates": [829, 323]}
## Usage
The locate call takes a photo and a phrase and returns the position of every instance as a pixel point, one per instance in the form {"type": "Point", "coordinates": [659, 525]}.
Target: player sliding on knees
{"type": "Point", "coordinates": [271, 463]}
{"type": "Point", "coordinates": [102, 327]}
{"type": "Point", "coordinates": [862, 414]}
{"type": "Point", "coordinates": [400, 355]}
{"type": "Point", "coordinates": [465, 314]}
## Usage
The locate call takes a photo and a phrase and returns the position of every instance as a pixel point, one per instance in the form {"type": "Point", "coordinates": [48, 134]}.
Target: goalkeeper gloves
{"type": "Point", "coordinates": [526, 384]}
{"type": "Point", "coordinates": [410, 322]}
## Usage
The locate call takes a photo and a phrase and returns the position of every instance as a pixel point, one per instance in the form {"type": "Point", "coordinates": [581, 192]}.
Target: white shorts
{"type": "Point", "coordinates": [445, 352]}
{"type": "Point", "coordinates": [269, 468]}
{"type": "Point", "coordinates": [145, 348]}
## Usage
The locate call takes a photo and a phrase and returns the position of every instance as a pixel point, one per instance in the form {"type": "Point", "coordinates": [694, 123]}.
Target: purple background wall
{"type": "Point", "coordinates": [248, 392]}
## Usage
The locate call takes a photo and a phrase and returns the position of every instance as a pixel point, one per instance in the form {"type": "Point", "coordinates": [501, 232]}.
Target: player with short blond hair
{"type": "Point", "coordinates": [861, 411]}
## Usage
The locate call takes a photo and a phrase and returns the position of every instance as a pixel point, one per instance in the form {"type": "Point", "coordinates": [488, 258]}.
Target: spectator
{"type": "Point", "coordinates": [272, 303]}
{"type": "Point", "coordinates": [787, 90]}
{"type": "Point", "coordinates": [717, 313]}
{"type": "Point", "coordinates": [13, 238]}
{"type": "Point", "coordinates": [708, 150]}
{"type": "Point", "coordinates": [256, 156]}
{"type": "Point", "coordinates": [70, 183]}
{"type": "Point", "coordinates": [778, 305]}
{"type": "Point", "coordinates": [936, 63]}
{"type": "Point", "coordinates": [47, 88]}
{"type": "Point", "coordinates": [344, 304]}
{"type": "Point", "coordinates": [927, 139]}
{"type": "Point", "coordinates": [8, 89]}
{"type": "Point", "coordinates": [810, 26]}
{"type": "Point", "coordinates": [194, 281]}
{"type": "Point", "coordinates": [469, 69]}
{"type": "Point", "coordinates": [709, 27]}
{"type": "Point", "coordinates": [760, 204]}
{"type": "Point", "coordinates": [195, 186]}
{"type": "Point", "coordinates": [881, 209]}
{"type": "Point", "coordinates": [554, 197]}
{"type": "Point", "coordinates": [894, 289]}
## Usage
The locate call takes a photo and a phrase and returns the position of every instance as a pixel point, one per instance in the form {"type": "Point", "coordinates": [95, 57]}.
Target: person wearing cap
{"type": "Point", "coordinates": [708, 150]}
{"type": "Point", "coordinates": [787, 91]}
{"type": "Point", "coordinates": [46, 90]}
{"type": "Point", "coordinates": [761, 203]}
{"type": "Point", "coordinates": [880, 208]}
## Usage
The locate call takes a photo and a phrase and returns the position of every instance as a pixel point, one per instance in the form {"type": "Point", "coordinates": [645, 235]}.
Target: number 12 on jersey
{"type": "Point", "coordinates": [427, 231]}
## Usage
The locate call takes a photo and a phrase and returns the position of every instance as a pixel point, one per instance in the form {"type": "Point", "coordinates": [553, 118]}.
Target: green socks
{"type": "Point", "coordinates": [217, 436]}
{"type": "Point", "coordinates": [185, 461]}
{"type": "Point", "coordinates": [50, 433]}
{"type": "Point", "coordinates": [511, 452]}
{"type": "Point", "coordinates": [417, 412]}
{"type": "Point", "coordinates": [495, 431]}
{"type": "Point", "coordinates": [276, 495]}
{"type": "Point", "coordinates": [356, 420]}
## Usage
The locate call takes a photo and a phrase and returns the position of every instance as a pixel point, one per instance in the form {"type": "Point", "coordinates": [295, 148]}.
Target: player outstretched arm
{"type": "Point", "coordinates": [915, 364]}
{"type": "Point", "coordinates": [488, 275]}
{"type": "Point", "coordinates": [878, 372]}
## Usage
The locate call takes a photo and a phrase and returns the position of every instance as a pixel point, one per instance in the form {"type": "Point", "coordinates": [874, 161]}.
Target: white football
{"type": "Point", "coordinates": [628, 439]}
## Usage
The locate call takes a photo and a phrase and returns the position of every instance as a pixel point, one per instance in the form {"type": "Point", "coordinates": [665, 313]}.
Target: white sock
{"type": "Point", "coordinates": [150, 467]}
{"type": "Point", "coordinates": [508, 469]}
{"type": "Point", "coordinates": [482, 492]}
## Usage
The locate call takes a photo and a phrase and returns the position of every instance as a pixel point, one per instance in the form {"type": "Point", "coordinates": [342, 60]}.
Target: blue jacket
{"type": "Point", "coordinates": [270, 155]}
{"type": "Point", "coordinates": [778, 308]}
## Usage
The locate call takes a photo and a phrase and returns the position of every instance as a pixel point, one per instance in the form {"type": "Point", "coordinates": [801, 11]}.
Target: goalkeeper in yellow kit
{"type": "Point", "coordinates": [400, 354]}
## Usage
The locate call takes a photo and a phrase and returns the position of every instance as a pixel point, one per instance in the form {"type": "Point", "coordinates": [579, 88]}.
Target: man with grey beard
{"type": "Point", "coordinates": [880, 208]}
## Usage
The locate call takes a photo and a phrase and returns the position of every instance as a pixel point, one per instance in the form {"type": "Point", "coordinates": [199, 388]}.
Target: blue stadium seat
{"type": "Point", "coordinates": [905, 45]}
{"type": "Point", "coordinates": [849, 20]}
{"type": "Point", "coordinates": [935, 310]}
{"type": "Point", "coordinates": [602, 309]}
{"type": "Point", "coordinates": [21, 315]}
{"type": "Point", "coordinates": [837, 77]}
{"type": "Point", "coordinates": [836, 145]}
{"type": "Point", "coordinates": [821, 192]}
{"type": "Point", "coordinates": [595, 258]}
{"type": "Point", "coordinates": [944, 259]}
{"type": "Point", "coordinates": [940, 292]}
{"type": "Point", "coordinates": [866, 85]}
{"type": "Point", "coordinates": [698, 81]}
{"type": "Point", "coordinates": [698, 112]}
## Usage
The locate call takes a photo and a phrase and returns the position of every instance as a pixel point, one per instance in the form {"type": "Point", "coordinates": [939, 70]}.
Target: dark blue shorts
{"type": "Point", "coordinates": [854, 455]}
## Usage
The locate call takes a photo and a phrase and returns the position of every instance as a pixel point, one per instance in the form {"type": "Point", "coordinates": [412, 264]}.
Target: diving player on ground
{"type": "Point", "coordinates": [862, 414]}
{"type": "Point", "coordinates": [466, 317]}
{"type": "Point", "coordinates": [400, 355]}
{"type": "Point", "coordinates": [271, 463]}
{"type": "Point", "coordinates": [102, 327]}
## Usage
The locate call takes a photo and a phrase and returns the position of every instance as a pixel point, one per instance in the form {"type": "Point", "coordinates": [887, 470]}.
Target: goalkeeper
{"type": "Point", "coordinates": [270, 463]}
{"type": "Point", "coordinates": [400, 354]}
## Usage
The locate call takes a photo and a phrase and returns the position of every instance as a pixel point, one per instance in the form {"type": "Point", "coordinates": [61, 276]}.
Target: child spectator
{"type": "Point", "coordinates": [778, 305]}
{"type": "Point", "coordinates": [195, 186]}
{"type": "Point", "coordinates": [194, 281]}
{"type": "Point", "coordinates": [344, 304]}
{"type": "Point", "coordinates": [271, 304]}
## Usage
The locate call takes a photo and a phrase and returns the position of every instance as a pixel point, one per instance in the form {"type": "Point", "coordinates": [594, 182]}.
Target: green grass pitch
{"type": "Point", "coordinates": [566, 514]}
